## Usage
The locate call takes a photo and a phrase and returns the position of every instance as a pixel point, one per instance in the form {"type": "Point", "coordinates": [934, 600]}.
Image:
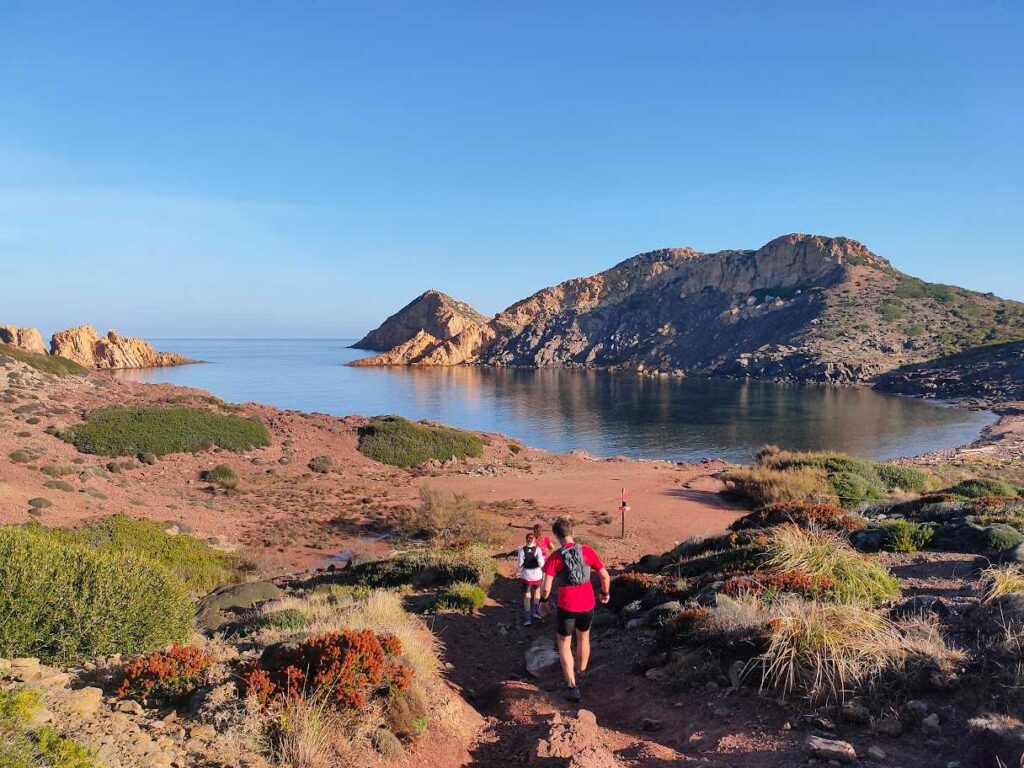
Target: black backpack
{"type": "Point", "coordinates": [576, 570]}
{"type": "Point", "coordinates": [530, 558]}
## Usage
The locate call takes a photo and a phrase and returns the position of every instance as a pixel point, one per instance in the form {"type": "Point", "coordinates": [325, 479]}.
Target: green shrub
{"type": "Point", "coordinates": [222, 475]}
{"type": "Point", "coordinates": [20, 456]}
{"type": "Point", "coordinates": [62, 601]}
{"type": "Point", "coordinates": [39, 503]}
{"type": "Point", "coordinates": [148, 458]}
{"type": "Point", "coordinates": [287, 619]}
{"type": "Point", "coordinates": [21, 747]}
{"type": "Point", "coordinates": [428, 568]}
{"type": "Point", "coordinates": [59, 366]}
{"type": "Point", "coordinates": [195, 563]}
{"type": "Point", "coordinates": [129, 431]}
{"type": "Point", "coordinates": [402, 443]}
{"type": "Point", "coordinates": [982, 487]}
{"type": "Point", "coordinates": [321, 464]}
{"type": "Point", "coordinates": [905, 536]}
{"type": "Point", "coordinates": [515, 448]}
{"type": "Point", "coordinates": [463, 597]}
{"type": "Point", "coordinates": [902, 477]}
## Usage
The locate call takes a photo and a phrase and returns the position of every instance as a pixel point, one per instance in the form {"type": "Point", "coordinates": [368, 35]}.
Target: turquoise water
{"type": "Point", "coordinates": [606, 414]}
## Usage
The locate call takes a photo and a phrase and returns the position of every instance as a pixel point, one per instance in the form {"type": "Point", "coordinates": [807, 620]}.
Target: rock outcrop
{"type": "Point", "coordinates": [434, 313]}
{"type": "Point", "coordinates": [27, 339]}
{"type": "Point", "coordinates": [800, 308]}
{"type": "Point", "coordinates": [989, 374]}
{"type": "Point", "coordinates": [85, 347]}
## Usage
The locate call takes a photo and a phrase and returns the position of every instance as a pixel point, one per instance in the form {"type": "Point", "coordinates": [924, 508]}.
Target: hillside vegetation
{"type": "Point", "coordinates": [59, 366]}
{"type": "Point", "coordinates": [123, 431]}
{"type": "Point", "coordinates": [403, 443]}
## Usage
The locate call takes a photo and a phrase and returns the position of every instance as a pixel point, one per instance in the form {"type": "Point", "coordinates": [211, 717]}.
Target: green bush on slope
{"type": "Point", "coordinates": [129, 431]}
{"type": "Point", "coordinates": [54, 364]}
{"type": "Point", "coordinates": [63, 601]}
{"type": "Point", "coordinates": [197, 565]}
{"type": "Point", "coordinates": [403, 443]}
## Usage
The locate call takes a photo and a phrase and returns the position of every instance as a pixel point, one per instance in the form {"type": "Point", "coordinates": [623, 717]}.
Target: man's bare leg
{"type": "Point", "coordinates": [565, 656]}
{"type": "Point", "coordinates": [583, 649]}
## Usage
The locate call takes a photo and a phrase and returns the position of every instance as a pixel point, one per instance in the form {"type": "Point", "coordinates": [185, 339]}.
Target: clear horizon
{"type": "Point", "coordinates": [237, 171]}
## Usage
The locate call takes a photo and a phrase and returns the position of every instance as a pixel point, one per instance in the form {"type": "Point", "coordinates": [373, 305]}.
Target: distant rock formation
{"type": "Point", "coordinates": [27, 339]}
{"type": "Point", "coordinates": [85, 347]}
{"type": "Point", "coordinates": [434, 313]}
{"type": "Point", "coordinates": [800, 308]}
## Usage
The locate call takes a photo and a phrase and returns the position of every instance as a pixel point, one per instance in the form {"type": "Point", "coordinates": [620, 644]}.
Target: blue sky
{"type": "Point", "coordinates": [304, 169]}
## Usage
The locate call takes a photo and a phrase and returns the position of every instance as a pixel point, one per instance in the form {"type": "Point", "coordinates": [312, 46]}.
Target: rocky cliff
{"type": "Point", "coordinates": [85, 347]}
{"type": "Point", "coordinates": [800, 308]}
{"type": "Point", "coordinates": [28, 339]}
{"type": "Point", "coordinates": [989, 374]}
{"type": "Point", "coordinates": [433, 313]}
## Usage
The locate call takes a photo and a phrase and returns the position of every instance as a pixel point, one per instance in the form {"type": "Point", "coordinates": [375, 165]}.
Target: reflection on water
{"type": "Point", "coordinates": [606, 414]}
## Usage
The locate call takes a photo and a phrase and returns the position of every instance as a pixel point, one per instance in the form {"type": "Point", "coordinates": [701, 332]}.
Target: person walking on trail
{"type": "Point", "coordinates": [573, 564]}
{"type": "Point", "coordinates": [546, 545]}
{"type": "Point", "coordinates": [530, 559]}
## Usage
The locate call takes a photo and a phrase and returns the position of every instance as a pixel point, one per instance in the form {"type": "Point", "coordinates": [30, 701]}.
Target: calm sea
{"type": "Point", "coordinates": [606, 414]}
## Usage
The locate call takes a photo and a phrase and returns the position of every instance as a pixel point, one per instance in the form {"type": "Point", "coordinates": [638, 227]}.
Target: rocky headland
{"type": "Point", "coordinates": [800, 308]}
{"type": "Point", "coordinates": [435, 314]}
{"type": "Point", "coordinates": [84, 347]}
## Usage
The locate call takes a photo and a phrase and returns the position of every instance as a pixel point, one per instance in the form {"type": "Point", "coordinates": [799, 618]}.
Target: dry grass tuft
{"type": "Point", "coordinates": [828, 559]}
{"type": "Point", "coordinates": [826, 651]}
{"type": "Point", "coordinates": [1001, 580]}
{"type": "Point", "coordinates": [764, 485]}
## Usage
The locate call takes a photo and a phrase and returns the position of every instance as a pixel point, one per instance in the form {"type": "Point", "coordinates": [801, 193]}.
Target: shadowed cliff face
{"type": "Point", "coordinates": [802, 307]}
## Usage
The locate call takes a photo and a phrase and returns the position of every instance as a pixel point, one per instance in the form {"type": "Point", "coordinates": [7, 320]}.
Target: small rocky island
{"type": "Point", "coordinates": [82, 345]}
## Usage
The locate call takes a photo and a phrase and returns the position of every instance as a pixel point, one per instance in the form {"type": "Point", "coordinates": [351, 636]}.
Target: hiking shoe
{"type": "Point", "coordinates": [572, 694]}
{"type": "Point", "coordinates": [526, 621]}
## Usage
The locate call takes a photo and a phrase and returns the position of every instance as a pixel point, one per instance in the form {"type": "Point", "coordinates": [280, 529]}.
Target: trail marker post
{"type": "Point", "coordinates": [623, 509]}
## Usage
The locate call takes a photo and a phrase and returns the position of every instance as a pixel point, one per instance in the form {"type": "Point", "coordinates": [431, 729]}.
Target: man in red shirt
{"type": "Point", "coordinates": [573, 564]}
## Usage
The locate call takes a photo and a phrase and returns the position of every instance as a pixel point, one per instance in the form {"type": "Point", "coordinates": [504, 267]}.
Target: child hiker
{"type": "Point", "coordinates": [530, 559]}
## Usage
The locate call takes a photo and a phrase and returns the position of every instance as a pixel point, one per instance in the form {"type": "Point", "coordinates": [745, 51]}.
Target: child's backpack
{"type": "Point", "coordinates": [576, 570]}
{"type": "Point", "coordinates": [530, 560]}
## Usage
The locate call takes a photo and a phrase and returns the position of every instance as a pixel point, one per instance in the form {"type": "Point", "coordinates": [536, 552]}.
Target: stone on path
{"type": "Point", "coordinates": [541, 656]}
{"type": "Point", "coordinates": [831, 749]}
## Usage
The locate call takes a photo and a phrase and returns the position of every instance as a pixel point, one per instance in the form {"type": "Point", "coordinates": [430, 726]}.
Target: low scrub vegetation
{"type": "Point", "coordinates": [198, 566]}
{"type": "Point", "coordinates": [59, 366]}
{"type": "Point", "coordinates": [24, 746]}
{"type": "Point", "coordinates": [222, 475]}
{"type": "Point", "coordinates": [424, 568]}
{"type": "Point", "coordinates": [169, 675]}
{"type": "Point", "coordinates": [452, 518]}
{"type": "Point", "coordinates": [905, 535]}
{"type": "Point", "coordinates": [63, 601]}
{"type": "Point", "coordinates": [462, 596]}
{"type": "Point", "coordinates": [981, 488]}
{"type": "Point", "coordinates": [403, 443]}
{"type": "Point", "coordinates": [349, 668]}
{"type": "Point", "coordinates": [827, 559]}
{"type": "Point", "coordinates": [129, 431]}
{"type": "Point", "coordinates": [789, 477]}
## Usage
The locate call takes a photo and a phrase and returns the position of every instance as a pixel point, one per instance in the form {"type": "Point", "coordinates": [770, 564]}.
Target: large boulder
{"type": "Point", "coordinates": [27, 339]}
{"type": "Point", "coordinates": [113, 351]}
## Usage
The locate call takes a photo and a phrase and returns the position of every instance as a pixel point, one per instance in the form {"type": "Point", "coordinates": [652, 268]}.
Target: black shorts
{"type": "Point", "coordinates": [570, 621]}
